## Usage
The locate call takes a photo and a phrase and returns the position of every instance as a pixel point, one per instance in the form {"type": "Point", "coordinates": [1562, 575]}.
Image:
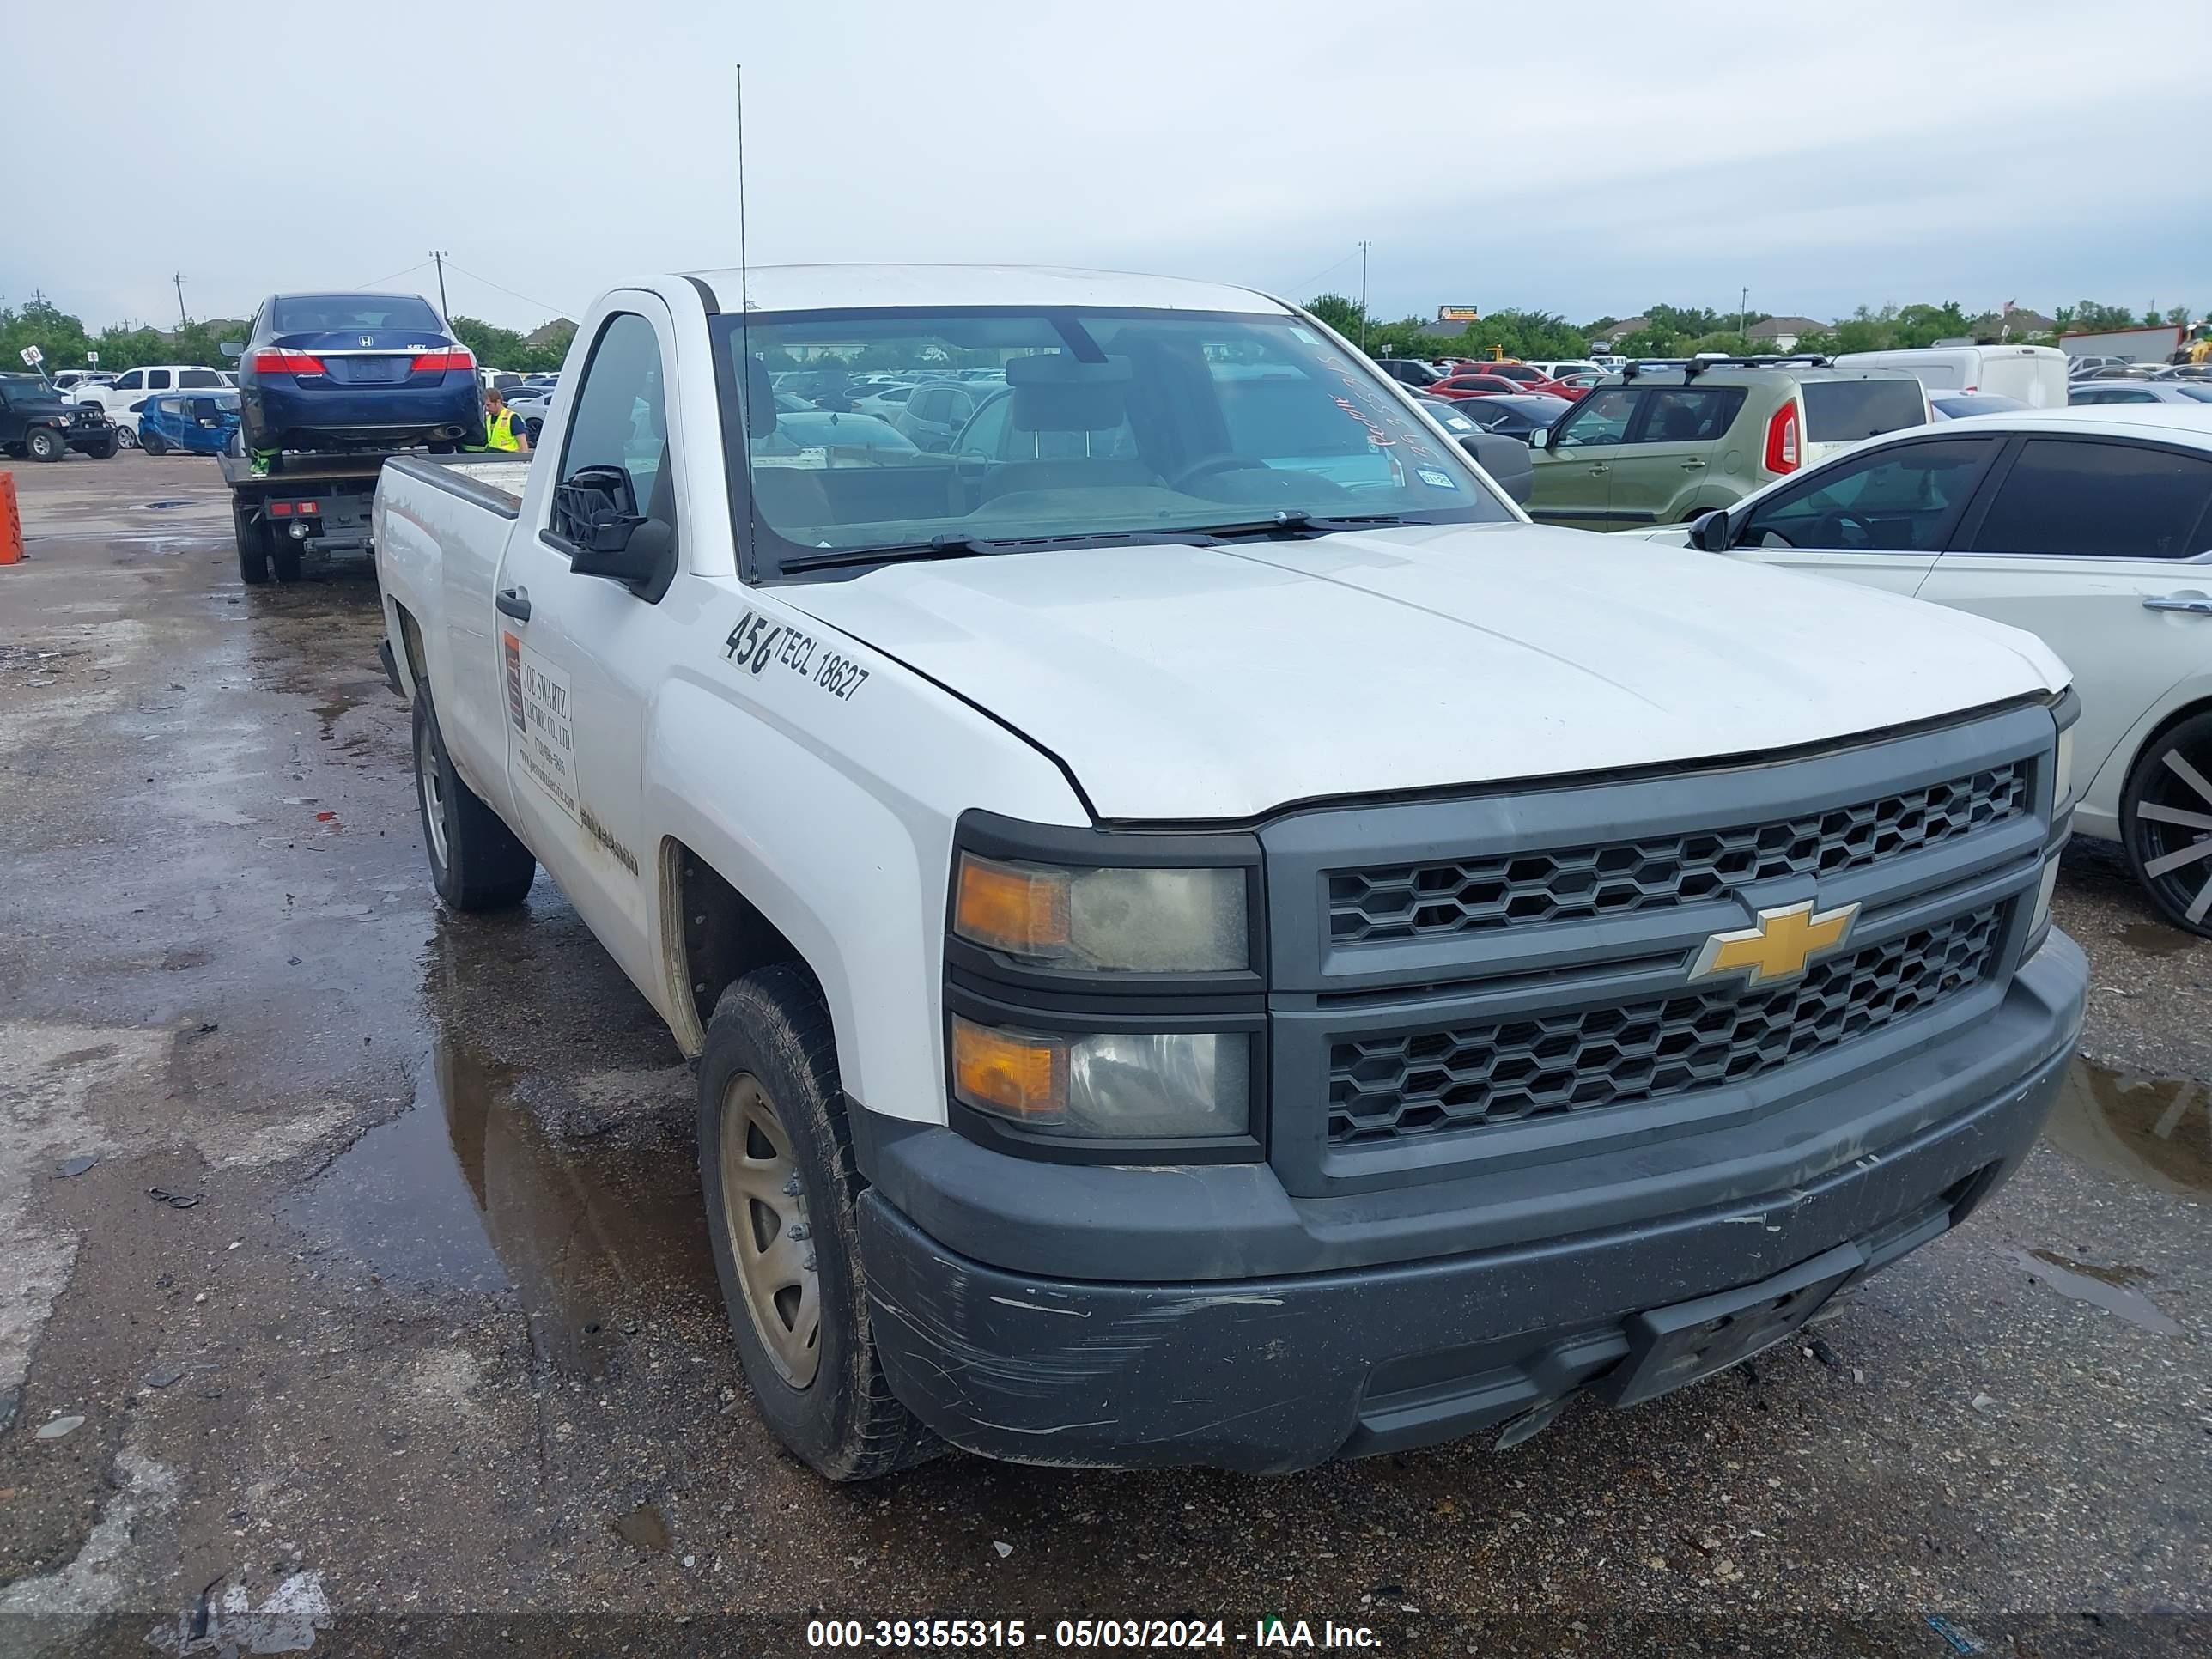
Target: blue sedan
{"type": "Point", "coordinates": [337, 372]}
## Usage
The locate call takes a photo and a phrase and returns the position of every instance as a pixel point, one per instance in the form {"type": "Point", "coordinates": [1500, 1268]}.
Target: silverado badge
{"type": "Point", "coordinates": [1780, 947]}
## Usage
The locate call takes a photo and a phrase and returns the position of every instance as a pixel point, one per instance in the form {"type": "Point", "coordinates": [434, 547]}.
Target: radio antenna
{"type": "Point", "coordinates": [744, 364]}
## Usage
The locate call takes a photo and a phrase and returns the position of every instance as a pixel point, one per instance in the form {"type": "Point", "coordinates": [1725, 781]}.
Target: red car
{"type": "Point", "coordinates": [1475, 386]}
{"type": "Point", "coordinates": [1524, 377]}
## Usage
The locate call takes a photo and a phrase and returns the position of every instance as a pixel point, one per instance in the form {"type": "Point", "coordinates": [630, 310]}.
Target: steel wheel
{"type": "Point", "coordinates": [764, 1208]}
{"type": "Point", "coordinates": [2169, 825]}
{"type": "Point", "coordinates": [432, 782]}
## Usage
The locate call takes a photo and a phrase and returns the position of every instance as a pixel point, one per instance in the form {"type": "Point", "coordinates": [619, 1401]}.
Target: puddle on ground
{"type": "Point", "coordinates": [2112, 1289]}
{"type": "Point", "coordinates": [643, 1527]}
{"type": "Point", "coordinates": [162, 506]}
{"type": "Point", "coordinates": [464, 1191]}
{"type": "Point", "coordinates": [2154, 1131]}
{"type": "Point", "coordinates": [2154, 940]}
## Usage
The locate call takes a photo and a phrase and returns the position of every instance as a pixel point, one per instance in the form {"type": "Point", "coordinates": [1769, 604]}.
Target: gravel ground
{"type": "Point", "coordinates": [354, 1287]}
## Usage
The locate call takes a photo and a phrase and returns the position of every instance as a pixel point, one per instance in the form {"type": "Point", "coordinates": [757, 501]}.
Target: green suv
{"type": "Point", "coordinates": [1660, 443]}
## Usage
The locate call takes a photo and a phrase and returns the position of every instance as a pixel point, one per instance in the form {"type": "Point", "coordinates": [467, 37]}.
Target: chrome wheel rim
{"type": "Point", "coordinates": [433, 783]}
{"type": "Point", "coordinates": [2173, 833]}
{"type": "Point", "coordinates": [764, 1216]}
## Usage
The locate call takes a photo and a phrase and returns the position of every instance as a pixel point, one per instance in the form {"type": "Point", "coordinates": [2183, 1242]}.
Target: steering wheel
{"type": "Point", "coordinates": [1207, 465]}
{"type": "Point", "coordinates": [1850, 524]}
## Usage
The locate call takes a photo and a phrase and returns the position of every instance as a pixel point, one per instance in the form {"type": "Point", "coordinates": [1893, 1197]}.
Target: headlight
{"type": "Point", "coordinates": [1105, 919]}
{"type": "Point", "coordinates": [1115, 1085]}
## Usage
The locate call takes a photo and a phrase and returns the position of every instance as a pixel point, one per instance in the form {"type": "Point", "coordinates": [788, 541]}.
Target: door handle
{"type": "Point", "coordinates": [1599, 469]}
{"type": "Point", "coordinates": [1693, 466]}
{"type": "Point", "coordinates": [513, 602]}
{"type": "Point", "coordinates": [2195, 607]}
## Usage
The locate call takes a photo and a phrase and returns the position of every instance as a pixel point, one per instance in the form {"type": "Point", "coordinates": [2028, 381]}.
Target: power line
{"type": "Point", "coordinates": [395, 276]}
{"type": "Point", "coordinates": [1295, 290]}
{"type": "Point", "coordinates": [502, 288]}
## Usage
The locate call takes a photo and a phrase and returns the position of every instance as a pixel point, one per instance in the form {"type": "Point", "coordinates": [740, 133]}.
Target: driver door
{"type": "Point", "coordinates": [1878, 517]}
{"type": "Point", "coordinates": [1572, 484]}
{"type": "Point", "coordinates": [579, 653]}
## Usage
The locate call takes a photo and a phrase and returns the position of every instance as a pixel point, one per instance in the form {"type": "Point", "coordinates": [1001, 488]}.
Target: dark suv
{"type": "Point", "coordinates": [35, 421]}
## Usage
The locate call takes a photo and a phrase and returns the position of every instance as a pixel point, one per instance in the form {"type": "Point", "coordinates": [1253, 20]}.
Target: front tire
{"type": "Point", "coordinates": [153, 443]}
{"type": "Point", "coordinates": [126, 437]}
{"type": "Point", "coordinates": [776, 1158]}
{"type": "Point", "coordinates": [475, 862]}
{"type": "Point", "coordinates": [2165, 824]}
{"type": "Point", "coordinates": [43, 443]}
{"type": "Point", "coordinates": [105, 450]}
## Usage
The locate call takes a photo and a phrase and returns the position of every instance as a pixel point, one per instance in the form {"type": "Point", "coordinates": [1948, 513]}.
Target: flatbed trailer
{"type": "Point", "coordinates": [322, 502]}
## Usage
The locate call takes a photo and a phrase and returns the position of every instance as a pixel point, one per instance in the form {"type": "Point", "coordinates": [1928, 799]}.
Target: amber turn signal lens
{"type": "Point", "coordinates": [1010, 1073]}
{"type": "Point", "coordinates": [1012, 908]}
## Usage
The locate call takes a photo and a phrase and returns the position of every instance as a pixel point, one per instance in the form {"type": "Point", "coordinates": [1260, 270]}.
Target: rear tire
{"type": "Point", "coordinates": [126, 437]}
{"type": "Point", "coordinates": [43, 443]}
{"type": "Point", "coordinates": [776, 1158]}
{"type": "Point", "coordinates": [475, 862]}
{"type": "Point", "coordinates": [2170, 784]}
{"type": "Point", "coordinates": [252, 536]}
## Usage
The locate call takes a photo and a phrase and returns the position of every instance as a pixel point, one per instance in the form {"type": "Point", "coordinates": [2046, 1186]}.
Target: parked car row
{"type": "Point", "coordinates": [2091, 528]}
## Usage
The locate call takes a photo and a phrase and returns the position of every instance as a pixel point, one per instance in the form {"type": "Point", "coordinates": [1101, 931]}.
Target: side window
{"type": "Point", "coordinates": [1601, 417]}
{"type": "Point", "coordinates": [1685, 414]}
{"type": "Point", "coordinates": [157, 380]}
{"type": "Point", "coordinates": [134, 382]}
{"type": "Point", "coordinates": [620, 417]}
{"type": "Point", "coordinates": [197, 379]}
{"type": "Point", "coordinates": [2096, 500]}
{"type": "Point", "coordinates": [1899, 500]}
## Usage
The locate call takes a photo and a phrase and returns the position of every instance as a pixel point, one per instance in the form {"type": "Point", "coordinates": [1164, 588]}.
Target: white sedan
{"type": "Point", "coordinates": [2091, 527]}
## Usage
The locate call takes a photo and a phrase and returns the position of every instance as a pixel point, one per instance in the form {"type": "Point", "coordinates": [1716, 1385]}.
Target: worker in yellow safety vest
{"type": "Point", "coordinates": [501, 429]}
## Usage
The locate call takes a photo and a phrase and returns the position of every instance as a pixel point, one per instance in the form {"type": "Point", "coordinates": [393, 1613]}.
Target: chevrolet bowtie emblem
{"type": "Point", "coordinates": [1782, 945]}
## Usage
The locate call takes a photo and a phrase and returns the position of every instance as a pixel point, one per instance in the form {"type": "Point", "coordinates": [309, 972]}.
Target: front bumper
{"type": "Point", "coordinates": [1282, 1366]}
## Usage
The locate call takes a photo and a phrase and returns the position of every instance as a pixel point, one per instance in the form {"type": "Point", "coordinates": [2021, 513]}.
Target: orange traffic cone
{"type": "Point", "coordinates": [11, 522]}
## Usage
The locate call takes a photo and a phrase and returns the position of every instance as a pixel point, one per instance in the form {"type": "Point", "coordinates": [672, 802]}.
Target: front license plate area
{"type": "Point", "coordinates": [1671, 1347]}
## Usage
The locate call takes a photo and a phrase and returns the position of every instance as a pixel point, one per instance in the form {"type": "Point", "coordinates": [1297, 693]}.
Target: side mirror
{"type": "Point", "coordinates": [595, 512]}
{"type": "Point", "coordinates": [1708, 532]}
{"type": "Point", "coordinates": [233, 348]}
{"type": "Point", "coordinates": [1540, 437]}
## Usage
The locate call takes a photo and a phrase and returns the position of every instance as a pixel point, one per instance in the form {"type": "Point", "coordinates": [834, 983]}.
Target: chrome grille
{"type": "Point", "coordinates": [1415, 900]}
{"type": "Point", "coordinates": [1389, 1087]}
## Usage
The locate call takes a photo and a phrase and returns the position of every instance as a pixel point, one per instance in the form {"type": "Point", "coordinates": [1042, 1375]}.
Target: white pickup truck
{"type": "Point", "coordinates": [1207, 937]}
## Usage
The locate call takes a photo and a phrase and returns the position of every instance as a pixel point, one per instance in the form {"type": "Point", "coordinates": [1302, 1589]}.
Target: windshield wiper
{"type": "Point", "coordinates": [937, 547]}
{"type": "Point", "coordinates": [1290, 522]}
{"type": "Point", "coordinates": [1296, 522]}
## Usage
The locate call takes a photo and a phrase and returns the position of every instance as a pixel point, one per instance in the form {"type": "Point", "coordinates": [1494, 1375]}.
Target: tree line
{"type": "Point", "coordinates": [1679, 331]}
{"type": "Point", "coordinates": [65, 341]}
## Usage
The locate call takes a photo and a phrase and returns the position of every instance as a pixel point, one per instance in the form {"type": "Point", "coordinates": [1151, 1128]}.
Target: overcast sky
{"type": "Point", "coordinates": [1586, 159]}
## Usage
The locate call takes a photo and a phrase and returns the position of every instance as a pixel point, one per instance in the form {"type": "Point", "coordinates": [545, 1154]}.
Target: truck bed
{"type": "Point", "coordinates": [495, 482]}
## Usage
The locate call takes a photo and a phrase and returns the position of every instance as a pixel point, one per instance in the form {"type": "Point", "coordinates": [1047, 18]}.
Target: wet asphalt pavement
{"type": "Point", "coordinates": [353, 1284]}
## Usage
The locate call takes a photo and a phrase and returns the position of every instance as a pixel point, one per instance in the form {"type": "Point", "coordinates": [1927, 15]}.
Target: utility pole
{"type": "Point", "coordinates": [179, 279]}
{"type": "Point", "coordinates": [1742, 312]}
{"type": "Point", "coordinates": [1363, 247]}
{"type": "Point", "coordinates": [439, 254]}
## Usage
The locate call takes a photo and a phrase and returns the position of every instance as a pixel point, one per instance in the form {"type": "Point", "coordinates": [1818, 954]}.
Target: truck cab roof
{"type": "Point", "coordinates": [891, 288]}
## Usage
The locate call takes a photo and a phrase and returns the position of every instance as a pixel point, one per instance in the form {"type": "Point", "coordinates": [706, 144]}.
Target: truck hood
{"type": "Point", "coordinates": [1186, 682]}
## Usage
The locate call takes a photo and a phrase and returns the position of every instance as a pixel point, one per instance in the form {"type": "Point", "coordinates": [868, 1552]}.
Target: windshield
{"type": "Point", "coordinates": [329, 313]}
{"type": "Point", "coordinates": [1037, 427]}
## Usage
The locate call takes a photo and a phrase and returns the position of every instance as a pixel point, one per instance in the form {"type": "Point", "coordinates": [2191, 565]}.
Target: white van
{"type": "Point", "coordinates": [2034, 374]}
{"type": "Point", "coordinates": [134, 385]}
